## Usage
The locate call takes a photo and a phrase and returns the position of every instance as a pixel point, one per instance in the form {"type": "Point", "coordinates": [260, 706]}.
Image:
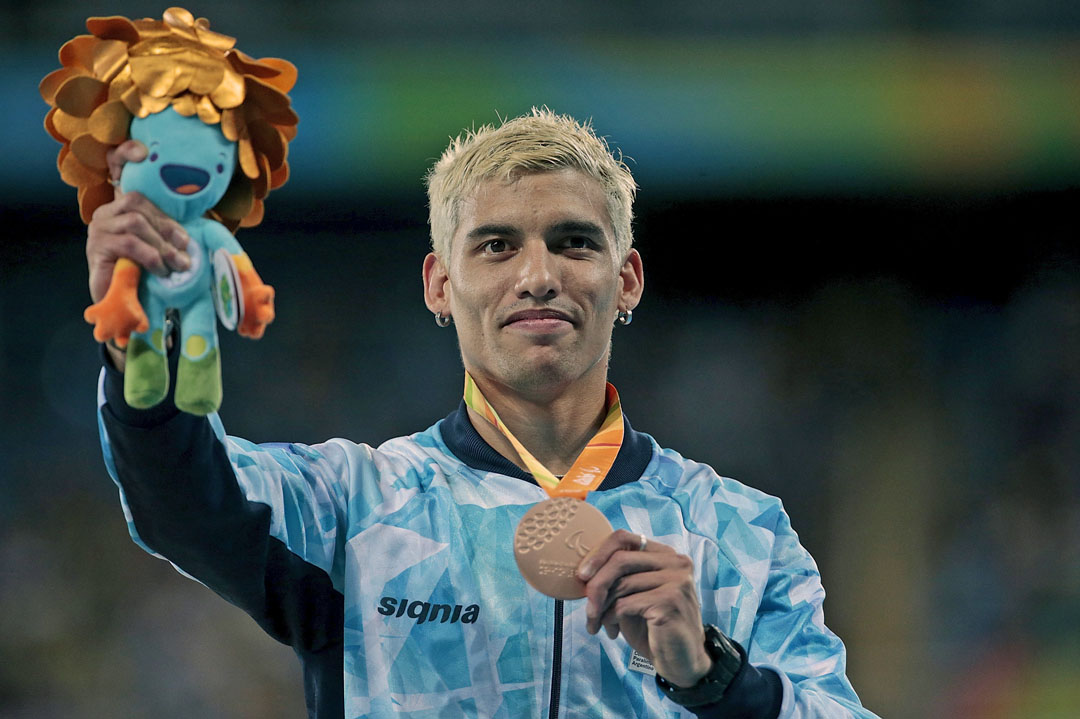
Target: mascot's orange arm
{"type": "Point", "coordinates": [258, 299]}
{"type": "Point", "coordinates": [119, 313]}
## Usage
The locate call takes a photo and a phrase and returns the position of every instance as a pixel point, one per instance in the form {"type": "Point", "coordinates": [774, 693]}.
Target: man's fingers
{"type": "Point", "coordinates": [141, 252]}
{"type": "Point", "coordinates": [644, 591]}
{"type": "Point", "coordinates": [132, 235]}
{"type": "Point", "coordinates": [125, 152]}
{"type": "Point", "coordinates": [167, 228]}
{"type": "Point", "coordinates": [618, 540]}
{"type": "Point", "coordinates": [604, 595]}
{"type": "Point", "coordinates": [664, 623]}
{"type": "Point", "coordinates": [144, 219]}
{"type": "Point", "coordinates": [621, 610]}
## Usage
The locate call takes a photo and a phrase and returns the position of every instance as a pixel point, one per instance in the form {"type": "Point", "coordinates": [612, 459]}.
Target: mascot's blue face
{"type": "Point", "coordinates": [188, 167]}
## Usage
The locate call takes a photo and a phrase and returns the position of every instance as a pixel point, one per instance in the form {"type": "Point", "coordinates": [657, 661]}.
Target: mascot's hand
{"type": "Point", "coordinates": [258, 299]}
{"type": "Point", "coordinates": [119, 313]}
{"type": "Point", "coordinates": [258, 310]}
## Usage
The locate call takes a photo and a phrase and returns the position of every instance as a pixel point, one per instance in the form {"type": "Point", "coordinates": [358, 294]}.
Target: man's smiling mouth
{"type": "Point", "coordinates": [538, 319]}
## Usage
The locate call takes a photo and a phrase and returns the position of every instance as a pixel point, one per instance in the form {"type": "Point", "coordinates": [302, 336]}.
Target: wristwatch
{"type": "Point", "coordinates": [727, 660]}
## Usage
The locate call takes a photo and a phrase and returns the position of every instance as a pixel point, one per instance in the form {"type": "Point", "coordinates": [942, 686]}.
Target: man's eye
{"type": "Point", "coordinates": [495, 246]}
{"type": "Point", "coordinates": [577, 243]}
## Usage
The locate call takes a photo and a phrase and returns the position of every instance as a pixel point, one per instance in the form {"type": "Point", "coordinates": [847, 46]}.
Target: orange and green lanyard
{"type": "Point", "coordinates": [591, 466]}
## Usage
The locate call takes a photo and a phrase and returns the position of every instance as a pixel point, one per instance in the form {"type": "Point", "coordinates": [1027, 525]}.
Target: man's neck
{"type": "Point", "coordinates": [554, 426]}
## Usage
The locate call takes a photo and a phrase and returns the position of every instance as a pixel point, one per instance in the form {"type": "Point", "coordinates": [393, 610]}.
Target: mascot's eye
{"type": "Point", "coordinates": [220, 168]}
{"type": "Point", "coordinates": [153, 157]}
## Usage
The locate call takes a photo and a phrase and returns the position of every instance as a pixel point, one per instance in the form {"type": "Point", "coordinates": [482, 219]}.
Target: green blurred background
{"type": "Point", "coordinates": [858, 221]}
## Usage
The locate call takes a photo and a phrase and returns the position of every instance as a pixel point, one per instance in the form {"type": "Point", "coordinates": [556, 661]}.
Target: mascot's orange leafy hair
{"type": "Point", "coordinates": [135, 68]}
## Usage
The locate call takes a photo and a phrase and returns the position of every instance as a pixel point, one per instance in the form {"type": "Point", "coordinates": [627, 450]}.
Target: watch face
{"type": "Point", "coordinates": [719, 642]}
{"type": "Point", "coordinates": [722, 649]}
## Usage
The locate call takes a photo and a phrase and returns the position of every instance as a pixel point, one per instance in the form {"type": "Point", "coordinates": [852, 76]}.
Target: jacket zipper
{"type": "Point", "coordinates": [556, 661]}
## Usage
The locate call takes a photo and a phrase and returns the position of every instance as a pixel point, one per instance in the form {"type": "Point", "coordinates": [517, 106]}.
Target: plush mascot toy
{"type": "Point", "coordinates": [216, 124]}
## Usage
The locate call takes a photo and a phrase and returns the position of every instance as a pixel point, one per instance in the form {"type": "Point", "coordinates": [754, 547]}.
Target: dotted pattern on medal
{"type": "Point", "coordinates": [538, 528]}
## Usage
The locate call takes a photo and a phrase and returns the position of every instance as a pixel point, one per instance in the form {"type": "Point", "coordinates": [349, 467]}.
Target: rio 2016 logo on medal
{"type": "Point", "coordinates": [551, 540]}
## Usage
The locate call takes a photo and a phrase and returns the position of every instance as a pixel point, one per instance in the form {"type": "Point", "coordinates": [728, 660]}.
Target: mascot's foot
{"type": "Point", "coordinates": [198, 384]}
{"type": "Point", "coordinates": [146, 375]}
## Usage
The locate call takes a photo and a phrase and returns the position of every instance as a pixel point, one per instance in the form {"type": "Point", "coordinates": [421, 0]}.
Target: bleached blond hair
{"type": "Point", "coordinates": [541, 141]}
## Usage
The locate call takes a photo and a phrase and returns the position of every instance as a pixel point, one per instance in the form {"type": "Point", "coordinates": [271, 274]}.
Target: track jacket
{"type": "Point", "coordinates": [390, 570]}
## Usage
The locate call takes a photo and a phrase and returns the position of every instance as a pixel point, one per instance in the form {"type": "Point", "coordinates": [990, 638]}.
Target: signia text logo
{"type": "Point", "coordinates": [427, 611]}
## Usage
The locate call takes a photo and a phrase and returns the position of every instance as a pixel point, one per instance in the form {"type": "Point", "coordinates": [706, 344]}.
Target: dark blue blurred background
{"type": "Point", "coordinates": [858, 222]}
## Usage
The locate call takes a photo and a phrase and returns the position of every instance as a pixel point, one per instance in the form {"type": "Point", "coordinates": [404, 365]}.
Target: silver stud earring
{"type": "Point", "coordinates": [443, 321]}
{"type": "Point", "coordinates": [624, 317]}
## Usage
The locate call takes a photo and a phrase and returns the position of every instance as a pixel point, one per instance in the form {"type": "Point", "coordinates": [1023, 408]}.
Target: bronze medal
{"type": "Point", "coordinates": [551, 540]}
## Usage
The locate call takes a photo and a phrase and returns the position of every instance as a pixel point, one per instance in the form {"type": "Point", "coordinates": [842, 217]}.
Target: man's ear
{"type": "Point", "coordinates": [436, 285]}
{"type": "Point", "coordinates": [632, 276]}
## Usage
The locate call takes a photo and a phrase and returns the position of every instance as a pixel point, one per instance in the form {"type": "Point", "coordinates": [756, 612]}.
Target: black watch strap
{"type": "Point", "coordinates": [728, 658]}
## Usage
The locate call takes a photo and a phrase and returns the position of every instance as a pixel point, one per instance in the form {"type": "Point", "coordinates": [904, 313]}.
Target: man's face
{"type": "Point", "coordinates": [533, 281]}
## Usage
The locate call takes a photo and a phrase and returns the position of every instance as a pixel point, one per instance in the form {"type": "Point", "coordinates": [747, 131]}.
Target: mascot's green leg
{"type": "Point", "coordinates": [198, 382]}
{"type": "Point", "coordinates": [146, 372]}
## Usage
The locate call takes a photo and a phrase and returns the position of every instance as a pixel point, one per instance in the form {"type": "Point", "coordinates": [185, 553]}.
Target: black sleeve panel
{"type": "Point", "coordinates": [187, 506]}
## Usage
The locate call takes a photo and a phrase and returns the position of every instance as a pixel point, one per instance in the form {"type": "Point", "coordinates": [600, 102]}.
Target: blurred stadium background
{"type": "Point", "coordinates": [858, 221]}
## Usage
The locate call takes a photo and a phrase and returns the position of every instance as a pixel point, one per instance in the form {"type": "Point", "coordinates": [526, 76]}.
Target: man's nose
{"type": "Point", "coordinates": [538, 271]}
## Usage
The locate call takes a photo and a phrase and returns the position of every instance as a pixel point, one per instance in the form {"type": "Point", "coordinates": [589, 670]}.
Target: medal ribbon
{"type": "Point", "coordinates": [591, 466]}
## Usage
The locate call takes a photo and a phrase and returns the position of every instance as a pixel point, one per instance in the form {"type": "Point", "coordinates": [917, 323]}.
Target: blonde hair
{"type": "Point", "coordinates": [135, 68]}
{"type": "Point", "coordinates": [541, 141]}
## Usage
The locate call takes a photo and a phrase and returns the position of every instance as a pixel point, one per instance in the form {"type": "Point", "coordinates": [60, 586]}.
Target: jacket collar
{"type": "Point", "coordinates": [467, 445]}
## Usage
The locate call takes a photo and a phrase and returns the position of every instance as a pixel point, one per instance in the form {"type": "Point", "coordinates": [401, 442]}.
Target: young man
{"type": "Point", "coordinates": [390, 570]}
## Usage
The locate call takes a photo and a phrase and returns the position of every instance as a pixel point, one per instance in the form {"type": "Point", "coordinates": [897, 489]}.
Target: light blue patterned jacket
{"type": "Point", "coordinates": [390, 570]}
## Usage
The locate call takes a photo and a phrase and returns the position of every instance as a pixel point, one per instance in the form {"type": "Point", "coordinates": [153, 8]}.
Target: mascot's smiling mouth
{"type": "Point", "coordinates": [184, 179]}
